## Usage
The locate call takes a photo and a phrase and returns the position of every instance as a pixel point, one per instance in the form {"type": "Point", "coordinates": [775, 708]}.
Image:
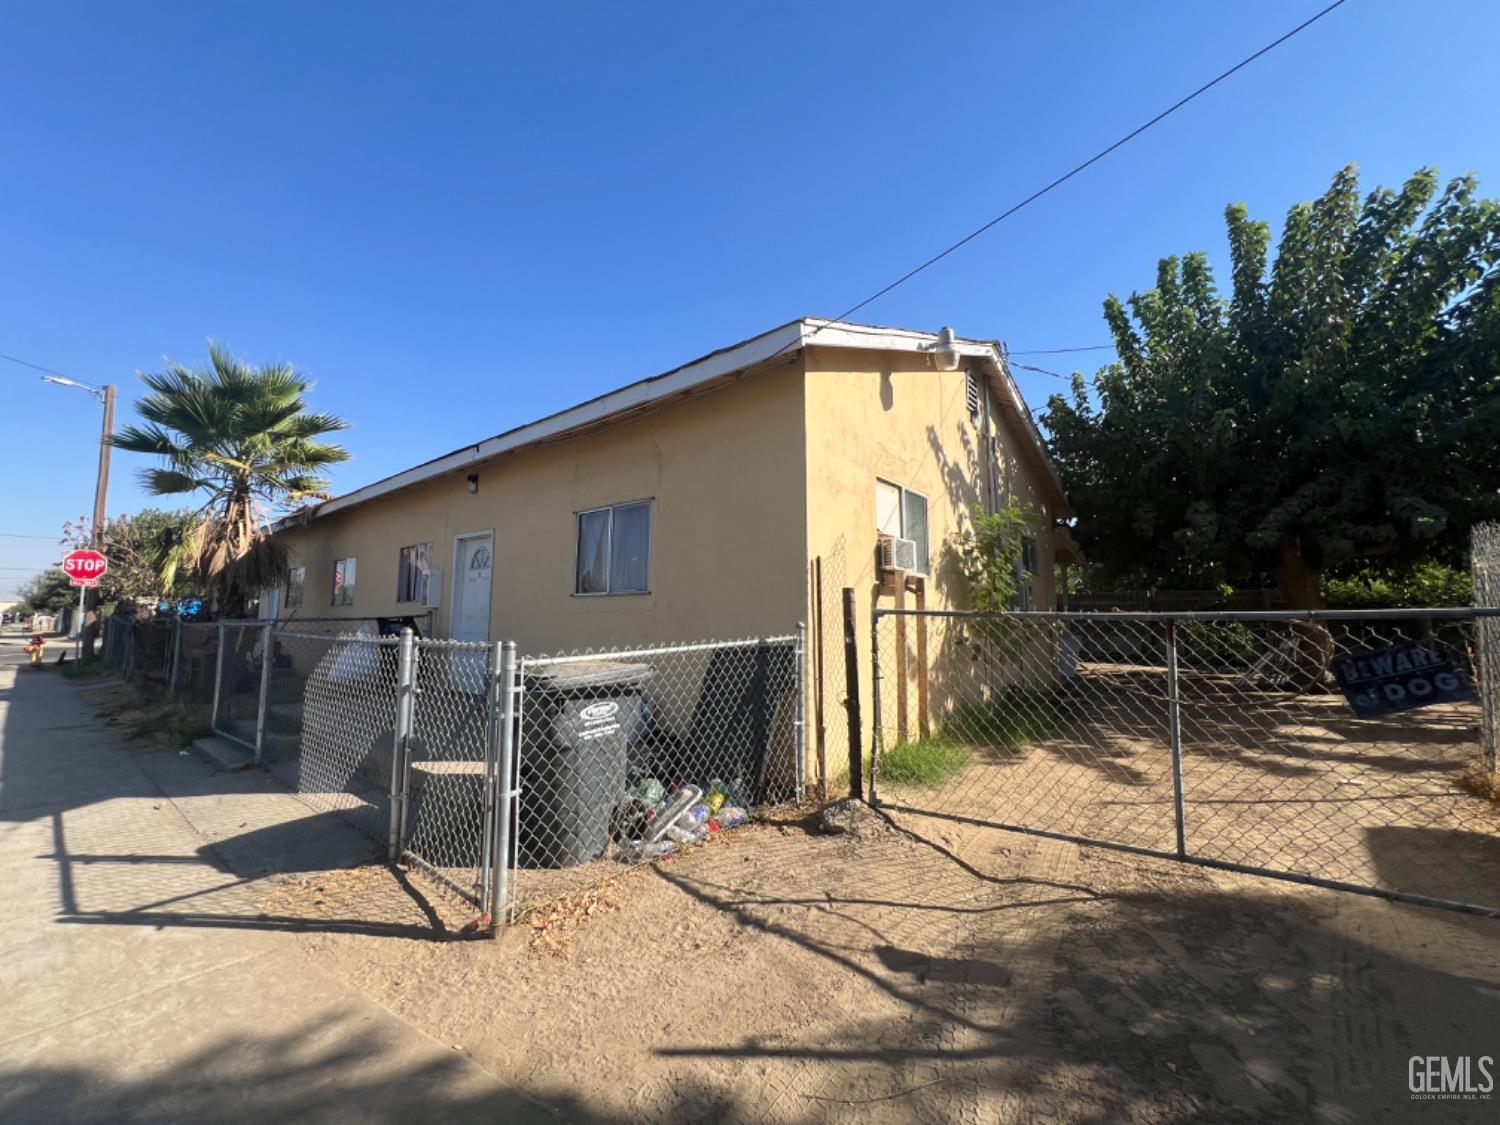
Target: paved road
{"type": "Point", "coordinates": [139, 980]}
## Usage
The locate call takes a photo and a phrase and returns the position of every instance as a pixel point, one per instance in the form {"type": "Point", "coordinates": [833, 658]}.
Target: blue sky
{"type": "Point", "coordinates": [458, 218]}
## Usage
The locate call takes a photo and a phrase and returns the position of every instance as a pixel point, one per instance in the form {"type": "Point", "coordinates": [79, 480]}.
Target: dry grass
{"type": "Point", "coordinates": [555, 922]}
{"type": "Point", "coordinates": [1480, 780]}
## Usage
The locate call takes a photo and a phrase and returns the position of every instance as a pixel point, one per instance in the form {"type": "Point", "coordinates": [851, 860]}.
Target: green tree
{"type": "Point", "coordinates": [1341, 404]}
{"type": "Point", "coordinates": [48, 592]}
{"type": "Point", "coordinates": [243, 437]}
{"type": "Point", "coordinates": [150, 554]}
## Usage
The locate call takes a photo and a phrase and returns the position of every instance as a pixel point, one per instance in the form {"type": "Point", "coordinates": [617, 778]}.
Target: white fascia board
{"type": "Point", "coordinates": [787, 338]}
{"type": "Point", "coordinates": [810, 332]}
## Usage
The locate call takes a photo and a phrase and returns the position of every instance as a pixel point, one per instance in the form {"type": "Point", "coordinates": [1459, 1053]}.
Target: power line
{"type": "Point", "coordinates": [34, 366]}
{"type": "Point", "coordinates": [1063, 351]}
{"type": "Point", "coordinates": [18, 535]}
{"type": "Point", "coordinates": [1041, 371]}
{"type": "Point", "coordinates": [1066, 176]}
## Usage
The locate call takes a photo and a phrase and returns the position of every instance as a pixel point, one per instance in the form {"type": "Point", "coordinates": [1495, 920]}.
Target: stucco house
{"type": "Point", "coordinates": [733, 496]}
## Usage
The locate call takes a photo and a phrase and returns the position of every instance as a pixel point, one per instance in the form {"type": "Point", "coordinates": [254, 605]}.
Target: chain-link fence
{"type": "Point", "coordinates": [1338, 748]}
{"type": "Point", "coordinates": [328, 725]}
{"type": "Point", "coordinates": [139, 646]}
{"type": "Point", "coordinates": [505, 781]}
{"type": "Point", "coordinates": [628, 755]}
{"type": "Point", "coordinates": [448, 771]}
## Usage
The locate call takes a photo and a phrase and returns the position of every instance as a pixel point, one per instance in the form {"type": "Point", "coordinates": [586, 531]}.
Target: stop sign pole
{"type": "Point", "coordinates": [88, 604]}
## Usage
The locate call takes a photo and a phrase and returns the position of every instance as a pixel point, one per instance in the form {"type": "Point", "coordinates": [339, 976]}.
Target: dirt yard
{"type": "Point", "coordinates": [1291, 782]}
{"type": "Point", "coordinates": [917, 970]}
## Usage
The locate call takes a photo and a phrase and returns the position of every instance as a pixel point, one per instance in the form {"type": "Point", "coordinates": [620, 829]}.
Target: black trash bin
{"type": "Point", "coordinates": [580, 720]}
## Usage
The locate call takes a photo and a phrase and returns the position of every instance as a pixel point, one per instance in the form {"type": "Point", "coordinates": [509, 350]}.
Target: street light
{"type": "Point", "coordinates": [89, 594]}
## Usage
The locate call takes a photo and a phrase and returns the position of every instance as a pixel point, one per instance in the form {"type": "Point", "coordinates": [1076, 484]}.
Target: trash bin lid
{"type": "Point", "coordinates": [587, 675]}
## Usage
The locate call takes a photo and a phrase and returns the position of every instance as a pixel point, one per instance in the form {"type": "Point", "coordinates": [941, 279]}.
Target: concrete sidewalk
{"type": "Point", "coordinates": [139, 979]}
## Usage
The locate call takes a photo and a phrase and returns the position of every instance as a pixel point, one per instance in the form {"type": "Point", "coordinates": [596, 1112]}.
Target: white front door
{"type": "Point", "coordinates": [473, 566]}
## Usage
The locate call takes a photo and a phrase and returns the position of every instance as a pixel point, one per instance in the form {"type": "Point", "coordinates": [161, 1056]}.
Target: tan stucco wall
{"type": "Point", "coordinates": [895, 417]}
{"type": "Point", "coordinates": [753, 481]}
{"type": "Point", "coordinates": [725, 469]}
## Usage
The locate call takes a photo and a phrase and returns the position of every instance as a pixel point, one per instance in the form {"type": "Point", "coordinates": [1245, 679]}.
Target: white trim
{"type": "Point", "coordinates": [455, 598]}
{"type": "Point", "coordinates": [786, 339]}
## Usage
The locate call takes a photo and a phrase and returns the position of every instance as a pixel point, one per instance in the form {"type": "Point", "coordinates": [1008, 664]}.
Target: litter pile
{"type": "Point", "coordinates": [649, 823]}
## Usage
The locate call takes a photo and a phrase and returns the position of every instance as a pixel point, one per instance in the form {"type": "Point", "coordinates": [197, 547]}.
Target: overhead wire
{"type": "Point", "coordinates": [34, 366]}
{"type": "Point", "coordinates": [1068, 175]}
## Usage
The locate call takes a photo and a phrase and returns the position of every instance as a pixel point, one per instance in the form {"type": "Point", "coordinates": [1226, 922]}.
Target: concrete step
{"type": "Point", "coordinates": [223, 753]}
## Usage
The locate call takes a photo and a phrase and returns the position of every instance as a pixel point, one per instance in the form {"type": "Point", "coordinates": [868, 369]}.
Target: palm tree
{"type": "Point", "coordinates": [243, 436]}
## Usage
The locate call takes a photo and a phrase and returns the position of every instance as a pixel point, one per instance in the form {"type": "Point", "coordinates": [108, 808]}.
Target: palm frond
{"type": "Point", "coordinates": [169, 482]}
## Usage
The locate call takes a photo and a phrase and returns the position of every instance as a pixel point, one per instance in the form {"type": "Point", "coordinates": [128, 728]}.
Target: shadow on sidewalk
{"type": "Point", "coordinates": [127, 829]}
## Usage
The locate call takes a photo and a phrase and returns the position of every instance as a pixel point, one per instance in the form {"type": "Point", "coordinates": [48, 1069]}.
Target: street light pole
{"type": "Point", "coordinates": [88, 601]}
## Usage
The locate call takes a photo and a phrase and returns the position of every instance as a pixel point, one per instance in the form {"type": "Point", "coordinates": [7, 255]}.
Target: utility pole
{"type": "Point", "coordinates": [89, 601]}
{"type": "Point", "coordinates": [101, 495]}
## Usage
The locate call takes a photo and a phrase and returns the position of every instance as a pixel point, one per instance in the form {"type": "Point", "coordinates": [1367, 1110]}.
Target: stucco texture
{"type": "Point", "coordinates": [893, 416]}
{"type": "Point", "coordinates": [724, 469]}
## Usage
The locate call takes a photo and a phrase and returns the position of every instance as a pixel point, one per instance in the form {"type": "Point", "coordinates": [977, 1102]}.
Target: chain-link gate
{"type": "Point", "coordinates": [449, 732]}
{"type": "Point", "coordinates": [628, 755]}
{"type": "Point", "coordinates": [498, 777]}
{"type": "Point", "coordinates": [1336, 748]}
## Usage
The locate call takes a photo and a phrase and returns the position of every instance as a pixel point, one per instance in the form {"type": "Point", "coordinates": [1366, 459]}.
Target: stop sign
{"type": "Point", "coordinates": [85, 567]}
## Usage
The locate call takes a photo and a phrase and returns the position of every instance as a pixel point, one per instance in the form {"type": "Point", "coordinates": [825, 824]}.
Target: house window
{"type": "Point", "coordinates": [902, 514]}
{"type": "Point", "coordinates": [343, 581]}
{"type": "Point", "coordinates": [614, 549]}
{"type": "Point", "coordinates": [972, 393]}
{"type": "Point", "coordinates": [413, 572]}
{"type": "Point", "coordinates": [1026, 566]}
{"type": "Point", "coordinates": [295, 579]}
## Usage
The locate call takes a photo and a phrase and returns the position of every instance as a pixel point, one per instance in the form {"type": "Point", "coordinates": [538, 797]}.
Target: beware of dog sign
{"type": "Point", "coordinates": [1397, 678]}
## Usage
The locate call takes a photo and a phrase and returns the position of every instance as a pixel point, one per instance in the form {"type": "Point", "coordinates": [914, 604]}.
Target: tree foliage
{"type": "Point", "coordinates": [989, 556]}
{"type": "Point", "coordinates": [48, 592]}
{"type": "Point", "coordinates": [243, 437]}
{"type": "Point", "coordinates": [1342, 402]}
{"type": "Point", "coordinates": [150, 554]}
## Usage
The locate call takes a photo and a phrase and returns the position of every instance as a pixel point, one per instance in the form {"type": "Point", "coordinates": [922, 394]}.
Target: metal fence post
{"type": "Point", "coordinates": [176, 656]}
{"type": "Point", "coordinates": [877, 728]}
{"type": "Point", "coordinates": [801, 721]}
{"type": "Point", "coordinates": [267, 643]}
{"type": "Point", "coordinates": [406, 685]}
{"type": "Point", "coordinates": [213, 716]}
{"type": "Point", "coordinates": [1174, 727]}
{"type": "Point", "coordinates": [505, 788]}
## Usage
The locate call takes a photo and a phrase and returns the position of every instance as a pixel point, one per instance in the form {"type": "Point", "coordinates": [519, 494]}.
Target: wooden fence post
{"type": "Point", "coordinates": [851, 692]}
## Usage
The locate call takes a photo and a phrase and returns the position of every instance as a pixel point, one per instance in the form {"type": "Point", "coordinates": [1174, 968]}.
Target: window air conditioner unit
{"type": "Point", "coordinates": [898, 554]}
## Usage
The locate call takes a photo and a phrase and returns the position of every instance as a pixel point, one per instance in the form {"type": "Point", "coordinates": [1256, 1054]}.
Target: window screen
{"type": "Point", "coordinates": [902, 514]}
{"type": "Point", "coordinates": [295, 580]}
{"type": "Point", "coordinates": [343, 581]}
{"type": "Point", "coordinates": [914, 523]}
{"type": "Point", "coordinates": [614, 549]}
{"type": "Point", "coordinates": [413, 569]}
{"type": "Point", "coordinates": [593, 552]}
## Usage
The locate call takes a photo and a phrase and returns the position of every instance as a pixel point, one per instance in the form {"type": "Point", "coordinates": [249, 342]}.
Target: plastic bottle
{"type": "Point", "coordinates": [730, 816]}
